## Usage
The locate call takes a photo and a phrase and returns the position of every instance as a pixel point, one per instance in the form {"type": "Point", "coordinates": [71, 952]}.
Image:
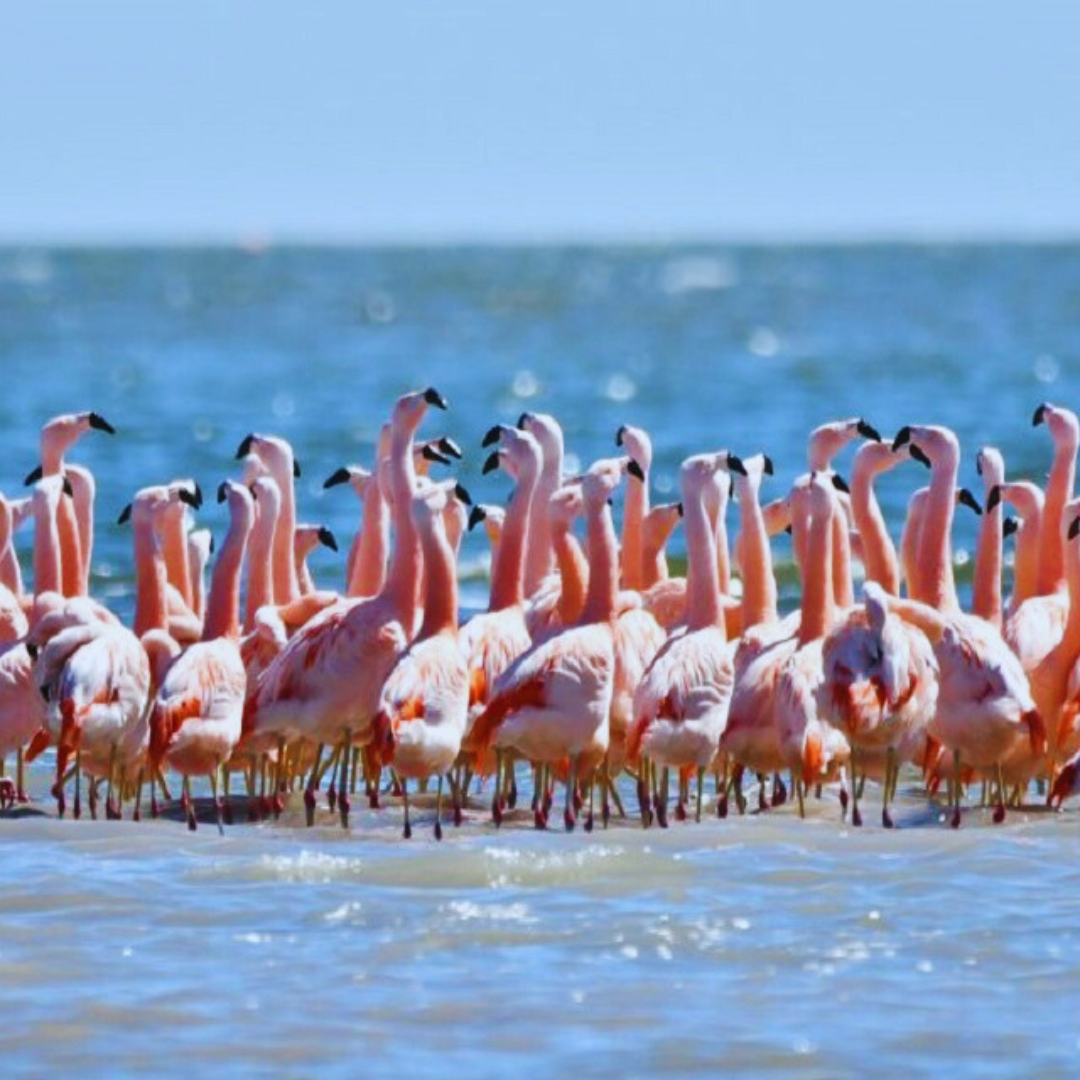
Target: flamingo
{"type": "Point", "coordinates": [425, 701]}
{"type": "Point", "coordinates": [539, 556]}
{"type": "Point", "coordinates": [659, 524]}
{"type": "Point", "coordinates": [681, 703]}
{"type": "Point", "coordinates": [554, 702]}
{"type": "Point", "coordinates": [326, 683]}
{"type": "Point", "coordinates": [365, 571]}
{"type": "Point", "coordinates": [308, 538]}
{"type": "Point", "coordinates": [985, 710]}
{"type": "Point", "coordinates": [492, 640]}
{"type": "Point", "coordinates": [196, 718]}
{"type": "Point", "coordinates": [494, 519]}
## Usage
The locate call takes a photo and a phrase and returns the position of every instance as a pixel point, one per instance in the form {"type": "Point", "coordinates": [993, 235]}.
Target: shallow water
{"type": "Point", "coordinates": [762, 945]}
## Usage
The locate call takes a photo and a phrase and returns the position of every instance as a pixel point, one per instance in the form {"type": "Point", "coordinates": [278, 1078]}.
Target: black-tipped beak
{"type": "Point", "coordinates": [476, 515]}
{"type": "Point", "coordinates": [295, 469]}
{"type": "Point", "coordinates": [450, 448]}
{"type": "Point", "coordinates": [69, 491]}
{"type": "Point", "coordinates": [523, 419]}
{"type": "Point", "coordinates": [978, 463]}
{"type": "Point", "coordinates": [735, 465]}
{"type": "Point", "coordinates": [462, 494]}
{"type": "Point", "coordinates": [634, 469]}
{"type": "Point", "coordinates": [993, 498]}
{"type": "Point", "coordinates": [433, 397]}
{"type": "Point", "coordinates": [125, 515]}
{"type": "Point", "coordinates": [620, 435]}
{"type": "Point", "coordinates": [1009, 526]}
{"type": "Point", "coordinates": [840, 484]}
{"type": "Point", "coordinates": [429, 453]}
{"type": "Point", "coordinates": [769, 470]}
{"type": "Point", "coordinates": [327, 539]}
{"type": "Point", "coordinates": [868, 431]}
{"type": "Point", "coordinates": [339, 476]}
{"type": "Point", "coordinates": [491, 437]}
{"type": "Point", "coordinates": [919, 455]}
{"type": "Point", "coordinates": [679, 507]}
{"type": "Point", "coordinates": [254, 492]}
{"type": "Point", "coordinates": [213, 544]}
{"type": "Point", "coordinates": [33, 476]}
{"type": "Point", "coordinates": [787, 529]}
{"type": "Point", "coordinates": [198, 496]}
{"type": "Point", "coordinates": [32, 650]}
{"type": "Point", "coordinates": [1040, 415]}
{"type": "Point", "coordinates": [99, 423]}
{"type": "Point", "coordinates": [244, 448]}
{"type": "Point", "coordinates": [492, 463]}
{"type": "Point", "coordinates": [903, 437]}
{"type": "Point", "coordinates": [189, 498]}
{"type": "Point", "coordinates": [221, 492]}
{"type": "Point", "coordinates": [969, 500]}
{"type": "Point", "coordinates": [1074, 528]}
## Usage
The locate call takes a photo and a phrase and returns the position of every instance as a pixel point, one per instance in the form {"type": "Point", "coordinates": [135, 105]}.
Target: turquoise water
{"type": "Point", "coordinates": [761, 944]}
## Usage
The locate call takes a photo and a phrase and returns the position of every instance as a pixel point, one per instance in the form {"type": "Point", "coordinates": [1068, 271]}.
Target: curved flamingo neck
{"type": "Point", "coordinates": [759, 583]}
{"type": "Point", "coordinates": [48, 576]}
{"type": "Point", "coordinates": [603, 565]}
{"type": "Point", "coordinates": [10, 571]}
{"type": "Point", "coordinates": [223, 603]}
{"type": "Point", "coordinates": [654, 567]}
{"type": "Point", "coordinates": [633, 547]}
{"type": "Point", "coordinates": [723, 555]}
{"type": "Point", "coordinates": [702, 573]}
{"type": "Point", "coordinates": [441, 588]}
{"type": "Point", "coordinates": [151, 605]}
{"type": "Point", "coordinates": [573, 573]}
{"type": "Point", "coordinates": [508, 574]}
{"type": "Point", "coordinates": [1028, 536]}
{"type": "Point", "coordinates": [879, 553]}
{"type": "Point", "coordinates": [935, 547]}
{"type": "Point", "coordinates": [843, 587]}
{"type": "Point", "coordinates": [1059, 489]}
{"type": "Point", "coordinates": [818, 610]}
{"type": "Point", "coordinates": [286, 583]}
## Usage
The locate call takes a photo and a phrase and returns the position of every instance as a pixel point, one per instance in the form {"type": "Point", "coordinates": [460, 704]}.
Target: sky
{"type": "Point", "coordinates": [440, 121]}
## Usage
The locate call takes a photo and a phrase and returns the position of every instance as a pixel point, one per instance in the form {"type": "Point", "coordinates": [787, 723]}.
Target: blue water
{"type": "Point", "coordinates": [762, 944]}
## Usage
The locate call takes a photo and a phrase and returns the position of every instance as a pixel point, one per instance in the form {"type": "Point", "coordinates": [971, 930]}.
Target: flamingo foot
{"type": "Point", "coordinates": [155, 810]}
{"type": "Point", "coordinates": [344, 806]}
{"type": "Point", "coordinates": [309, 806]}
{"type": "Point", "coordinates": [373, 798]}
{"type": "Point", "coordinates": [856, 817]}
{"type": "Point", "coordinates": [844, 800]}
{"type": "Point", "coordinates": [568, 820]}
{"type": "Point", "coordinates": [496, 811]}
{"type": "Point", "coordinates": [438, 830]}
{"type": "Point", "coordinates": [192, 824]}
{"type": "Point", "coordinates": [999, 813]}
{"type": "Point", "coordinates": [722, 806]}
{"type": "Point", "coordinates": [112, 810]}
{"type": "Point", "coordinates": [539, 821]}
{"type": "Point", "coordinates": [511, 798]}
{"type": "Point", "coordinates": [279, 806]}
{"type": "Point", "coordinates": [886, 818]}
{"type": "Point", "coordinates": [661, 814]}
{"type": "Point", "coordinates": [605, 815]}
{"type": "Point", "coordinates": [7, 793]}
{"type": "Point", "coordinates": [331, 798]}
{"type": "Point", "coordinates": [680, 811]}
{"type": "Point", "coordinates": [264, 806]}
{"type": "Point", "coordinates": [779, 792]}
{"type": "Point", "coordinates": [589, 822]}
{"type": "Point", "coordinates": [406, 833]}
{"type": "Point", "coordinates": [955, 821]}
{"type": "Point", "coordinates": [226, 812]}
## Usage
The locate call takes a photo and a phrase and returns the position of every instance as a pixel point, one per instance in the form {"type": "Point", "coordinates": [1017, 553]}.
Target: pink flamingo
{"type": "Point", "coordinates": [425, 701]}
{"type": "Point", "coordinates": [985, 710]}
{"type": "Point", "coordinates": [326, 683]}
{"type": "Point", "coordinates": [196, 718]}
{"type": "Point", "coordinates": [637, 444]}
{"type": "Point", "coordinates": [308, 537]}
{"type": "Point", "coordinates": [365, 571]}
{"type": "Point", "coordinates": [681, 703]}
{"type": "Point", "coordinates": [554, 701]}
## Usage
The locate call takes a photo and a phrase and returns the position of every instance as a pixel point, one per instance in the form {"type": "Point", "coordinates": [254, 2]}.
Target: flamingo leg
{"type": "Point", "coordinates": [407, 833]}
{"type": "Point", "coordinates": [344, 802]}
{"type": "Point", "coordinates": [136, 815]}
{"type": "Point", "coordinates": [956, 790]}
{"type": "Point", "coordinates": [76, 811]}
{"type": "Point", "coordinates": [999, 809]}
{"type": "Point", "coordinates": [700, 793]}
{"type": "Point", "coordinates": [496, 799]}
{"type": "Point", "coordinates": [662, 802]}
{"type": "Point", "coordinates": [438, 809]}
{"type": "Point", "coordinates": [571, 787]}
{"type": "Point", "coordinates": [592, 789]}
{"type": "Point", "coordinates": [20, 777]}
{"type": "Point", "coordinates": [887, 787]}
{"type": "Point", "coordinates": [218, 810]}
{"type": "Point", "coordinates": [856, 790]}
{"type": "Point", "coordinates": [189, 803]}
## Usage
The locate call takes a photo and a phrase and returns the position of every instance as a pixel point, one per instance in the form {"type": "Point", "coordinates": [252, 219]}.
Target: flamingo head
{"type": "Point", "coordinates": [517, 452]}
{"type": "Point", "coordinates": [275, 453]}
{"type": "Point", "coordinates": [828, 440]}
{"type": "Point", "coordinates": [937, 444]}
{"type": "Point", "coordinates": [636, 442]}
{"type": "Point", "coordinates": [1063, 424]}
{"type": "Point", "coordinates": [990, 465]}
{"type": "Point", "coordinates": [548, 433]}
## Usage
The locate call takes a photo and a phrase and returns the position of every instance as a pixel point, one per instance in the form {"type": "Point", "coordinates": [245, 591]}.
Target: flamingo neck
{"type": "Point", "coordinates": [603, 565]}
{"type": "Point", "coordinates": [702, 572]}
{"type": "Point", "coordinates": [935, 547]}
{"type": "Point", "coordinates": [1026, 569]}
{"type": "Point", "coordinates": [286, 583]}
{"type": "Point", "coordinates": [174, 550]}
{"type": "Point", "coordinates": [654, 565]}
{"type": "Point", "coordinates": [406, 566]}
{"type": "Point", "coordinates": [151, 605]}
{"type": "Point", "coordinates": [260, 583]}
{"type": "Point", "coordinates": [48, 576]}
{"type": "Point", "coordinates": [540, 554]}
{"type": "Point", "coordinates": [303, 573]}
{"type": "Point", "coordinates": [1059, 489]}
{"type": "Point", "coordinates": [633, 549]}
{"type": "Point", "coordinates": [508, 573]}
{"type": "Point", "coordinates": [986, 587]}
{"type": "Point", "coordinates": [723, 555]}
{"type": "Point", "coordinates": [573, 572]}
{"type": "Point", "coordinates": [71, 566]}
{"type": "Point", "coordinates": [818, 610]}
{"type": "Point", "coordinates": [440, 585]}
{"type": "Point", "coordinates": [223, 603]}
{"type": "Point", "coordinates": [370, 571]}
{"type": "Point", "coordinates": [879, 553]}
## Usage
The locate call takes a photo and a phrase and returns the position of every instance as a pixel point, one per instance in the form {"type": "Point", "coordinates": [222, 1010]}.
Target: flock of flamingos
{"type": "Point", "coordinates": [590, 661]}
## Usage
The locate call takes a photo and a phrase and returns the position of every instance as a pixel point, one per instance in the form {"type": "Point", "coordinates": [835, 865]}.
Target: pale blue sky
{"type": "Point", "coordinates": [128, 119]}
